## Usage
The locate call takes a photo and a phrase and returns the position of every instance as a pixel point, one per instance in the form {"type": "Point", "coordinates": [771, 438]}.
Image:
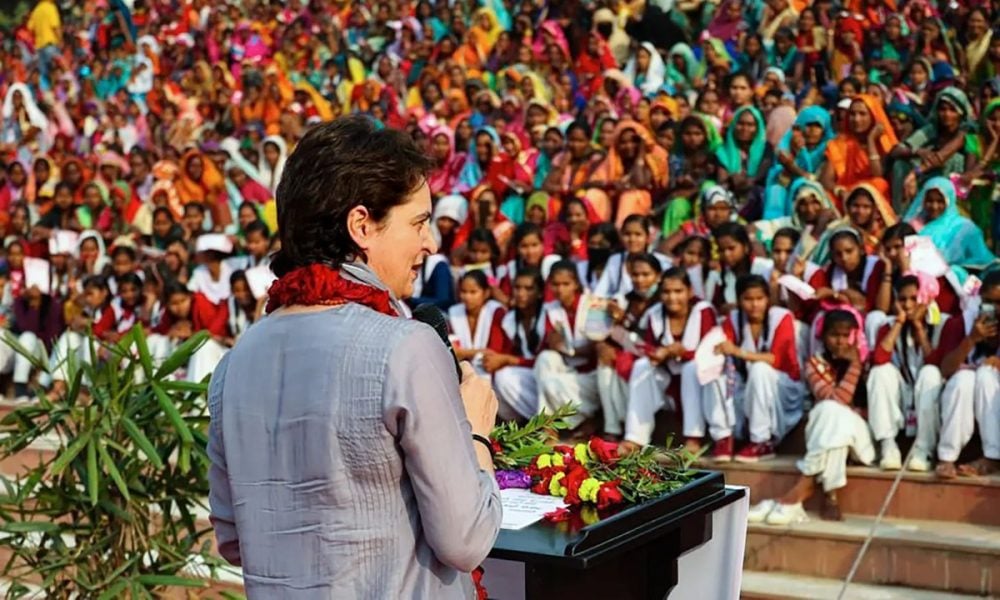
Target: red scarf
{"type": "Point", "coordinates": [323, 285]}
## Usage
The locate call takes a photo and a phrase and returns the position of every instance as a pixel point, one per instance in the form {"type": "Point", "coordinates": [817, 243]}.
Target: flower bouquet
{"type": "Point", "coordinates": [590, 476]}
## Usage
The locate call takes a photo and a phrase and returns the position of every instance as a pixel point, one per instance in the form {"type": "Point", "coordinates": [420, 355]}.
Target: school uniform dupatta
{"type": "Point", "coordinates": [458, 321]}
{"type": "Point", "coordinates": [699, 322]}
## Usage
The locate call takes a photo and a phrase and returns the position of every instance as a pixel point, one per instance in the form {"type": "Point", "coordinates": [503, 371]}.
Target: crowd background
{"type": "Point", "coordinates": [612, 180]}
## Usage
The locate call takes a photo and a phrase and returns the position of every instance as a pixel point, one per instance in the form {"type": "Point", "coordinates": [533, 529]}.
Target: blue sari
{"type": "Point", "coordinates": [960, 240]}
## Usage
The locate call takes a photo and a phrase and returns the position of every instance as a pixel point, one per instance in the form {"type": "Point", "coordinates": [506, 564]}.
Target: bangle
{"type": "Point", "coordinates": [486, 442]}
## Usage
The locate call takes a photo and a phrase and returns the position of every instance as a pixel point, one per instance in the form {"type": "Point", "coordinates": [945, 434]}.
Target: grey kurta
{"type": "Point", "coordinates": [342, 461]}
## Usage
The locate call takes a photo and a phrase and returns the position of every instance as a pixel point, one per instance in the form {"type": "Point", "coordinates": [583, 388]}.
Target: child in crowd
{"type": "Point", "coordinates": [524, 333]}
{"type": "Point", "coordinates": [475, 321]}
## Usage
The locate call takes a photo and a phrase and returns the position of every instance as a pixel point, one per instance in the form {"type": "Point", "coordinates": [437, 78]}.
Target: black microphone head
{"type": "Point", "coordinates": [433, 316]}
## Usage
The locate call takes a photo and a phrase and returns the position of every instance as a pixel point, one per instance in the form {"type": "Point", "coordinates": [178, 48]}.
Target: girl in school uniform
{"type": "Point", "coordinates": [602, 242]}
{"type": "Point", "coordinates": [971, 398]}
{"type": "Point", "coordinates": [694, 254]}
{"type": "Point", "coordinates": [783, 246]}
{"type": "Point", "coordinates": [853, 279]}
{"type": "Point", "coordinates": [667, 375]}
{"type": "Point", "coordinates": [524, 332]}
{"type": "Point", "coordinates": [835, 429]}
{"type": "Point", "coordinates": [435, 284]}
{"type": "Point", "coordinates": [482, 254]}
{"type": "Point", "coordinates": [529, 252]}
{"type": "Point", "coordinates": [614, 364]}
{"type": "Point", "coordinates": [635, 240]}
{"type": "Point", "coordinates": [763, 380]}
{"type": "Point", "coordinates": [736, 259]}
{"type": "Point", "coordinates": [897, 264]}
{"type": "Point", "coordinates": [241, 308]}
{"type": "Point", "coordinates": [123, 312]}
{"type": "Point", "coordinates": [905, 377]}
{"type": "Point", "coordinates": [95, 300]}
{"type": "Point", "coordinates": [565, 370]}
{"type": "Point", "coordinates": [475, 321]}
{"type": "Point", "coordinates": [185, 314]}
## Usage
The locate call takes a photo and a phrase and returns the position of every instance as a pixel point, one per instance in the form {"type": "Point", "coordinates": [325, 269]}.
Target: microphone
{"type": "Point", "coordinates": [434, 316]}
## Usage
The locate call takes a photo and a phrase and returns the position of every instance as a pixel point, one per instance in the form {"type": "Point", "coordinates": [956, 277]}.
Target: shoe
{"type": "Point", "coordinates": [755, 452]}
{"type": "Point", "coordinates": [759, 512]}
{"type": "Point", "coordinates": [723, 450]}
{"type": "Point", "coordinates": [787, 514]}
{"type": "Point", "coordinates": [919, 463]}
{"type": "Point", "coordinates": [891, 458]}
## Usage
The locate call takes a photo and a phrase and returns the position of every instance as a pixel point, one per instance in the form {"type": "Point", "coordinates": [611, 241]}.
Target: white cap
{"type": "Point", "coordinates": [214, 241]}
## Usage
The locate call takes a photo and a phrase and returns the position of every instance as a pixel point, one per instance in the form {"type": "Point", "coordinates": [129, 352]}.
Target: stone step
{"type": "Point", "coordinates": [919, 496]}
{"type": "Point", "coordinates": [928, 555]}
{"type": "Point", "coordinates": [783, 586]}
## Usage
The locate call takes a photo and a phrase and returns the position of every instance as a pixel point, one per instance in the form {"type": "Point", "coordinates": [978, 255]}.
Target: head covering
{"type": "Point", "coordinates": [959, 239]}
{"type": "Point", "coordinates": [272, 175]}
{"type": "Point", "coordinates": [452, 206]}
{"type": "Point", "coordinates": [729, 153]}
{"type": "Point", "coordinates": [809, 159]}
{"type": "Point", "coordinates": [650, 81]}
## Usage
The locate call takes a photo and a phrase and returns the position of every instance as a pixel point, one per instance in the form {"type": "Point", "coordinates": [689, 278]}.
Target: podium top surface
{"type": "Point", "coordinates": [557, 543]}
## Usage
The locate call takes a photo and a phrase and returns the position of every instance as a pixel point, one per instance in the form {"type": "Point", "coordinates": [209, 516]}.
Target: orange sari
{"type": "Point", "coordinates": [612, 170]}
{"type": "Point", "coordinates": [849, 157]}
{"type": "Point", "coordinates": [209, 189]}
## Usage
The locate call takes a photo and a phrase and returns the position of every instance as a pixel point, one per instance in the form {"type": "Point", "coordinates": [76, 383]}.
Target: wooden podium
{"type": "Point", "coordinates": [629, 555]}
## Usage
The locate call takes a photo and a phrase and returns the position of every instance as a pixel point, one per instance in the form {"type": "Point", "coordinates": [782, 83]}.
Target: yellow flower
{"type": "Point", "coordinates": [544, 460]}
{"type": "Point", "coordinates": [557, 460]}
{"type": "Point", "coordinates": [589, 514]}
{"type": "Point", "coordinates": [581, 454]}
{"type": "Point", "coordinates": [555, 488]}
{"type": "Point", "coordinates": [588, 489]}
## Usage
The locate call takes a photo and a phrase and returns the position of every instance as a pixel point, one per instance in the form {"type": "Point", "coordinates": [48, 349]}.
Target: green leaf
{"type": "Point", "coordinates": [93, 478]}
{"type": "Point", "coordinates": [175, 417]}
{"type": "Point", "coordinates": [142, 442]}
{"type": "Point", "coordinates": [109, 464]}
{"type": "Point", "coordinates": [145, 358]}
{"type": "Point", "coordinates": [71, 452]}
{"type": "Point", "coordinates": [30, 527]}
{"type": "Point", "coordinates": [115, 590]}
{"type": "Point", "coordinates": [181, 355]}
{"type": "Point", "coordinates": [185, 386]}
{"type": "Point", "coordinates": [171, 580]}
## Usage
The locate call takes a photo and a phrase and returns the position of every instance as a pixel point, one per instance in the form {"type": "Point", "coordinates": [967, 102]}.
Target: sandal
{"type": "Point", "coordinates": [831, 509]}
{"type": "Point", "coordinates": [981, 467]}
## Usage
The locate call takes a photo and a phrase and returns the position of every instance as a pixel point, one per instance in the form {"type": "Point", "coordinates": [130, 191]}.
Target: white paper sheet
{"type": "Point", "coordinates": [63, 241]}
{"type": "Point", "coordinates": [522, 507]}
{"type": "Point", "coordinates": [36, 274]}
{"type": "Point", "coordinates": [709, 364]}
{"type": "Point", "coordinates": [924, 256]}
{"type": "Point", "coordinates": [798, 287]}
{"type": "Point", "coordinates": [260, 279]}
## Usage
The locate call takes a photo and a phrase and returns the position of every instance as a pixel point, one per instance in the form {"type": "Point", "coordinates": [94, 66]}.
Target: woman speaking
{"type": "Point", "coordinates": [343, 461]}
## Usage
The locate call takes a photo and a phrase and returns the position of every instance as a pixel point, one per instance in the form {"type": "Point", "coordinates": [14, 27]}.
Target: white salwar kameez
{"type": "Point", "coordinates": [560, 382]}
{"type": "Point", "coordinates": [969, 398]}
{"type": "Point", "coordinates": [515, 386]}
{"type": "Point", "coordinates": [833, 433]}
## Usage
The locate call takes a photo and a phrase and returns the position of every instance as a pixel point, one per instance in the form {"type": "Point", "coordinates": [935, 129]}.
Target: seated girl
{"type": "Point", "coordinates": [897, 263]}
{"type": "Point", "coordinates": [693, 255]}
{"type": "Point", "coordinates": [971, 398]}
{"type": "Point", "coordinates": [242, 308]}
{"type": "Point", "coordinates": [123, 313]}
{"type": "Point", "coordinates": [482, 254]}
{"type": "Point", "coordinates": [635, 240]}
{"type": "Point", "coordinates": [186, 313]}
{"type": "Point", "coordinates": [524, 331]}
{"type": "Point", "coordinates": [475, 321]}
{"type": "Point", "coordinates": [904, 385]}
{"type": "Point", "coordinates": [95, 300]}
{"type": "Point", "coordinates": [673, 329]}
{"type": "Point", "coordinates": [602, 242]}
{"type": "Point", "coordinates": [737, 259]}
{"type": "Point", "coordinates": [853, 278]}
{"type": "Point", "coordinates": [614, 363]}
{"type": "Point", "coordinates": [529, 253]}
{"type": "Point", "coordinates": [765, 391]}
{"type": "Point", "coordinates": [835, 429]}
{"type": "Point", "coordinates": [565, 369]}
{"type": "Point", "coordinates": [434, 284]}
{"type": "Point", "coordinates": [37, 323]}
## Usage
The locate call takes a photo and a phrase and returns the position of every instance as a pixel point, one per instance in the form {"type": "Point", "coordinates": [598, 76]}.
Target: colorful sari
{"type": "Point", "coordinates": [778, 199]}
{"type": "Point", "coordinates": [612, 171]}
{"type": "Point", "coordinates": [960, 241]}
{"type": "Point", "coordinates": [883, 217]}
{"type": "Point", "coordinates": [849, 157]}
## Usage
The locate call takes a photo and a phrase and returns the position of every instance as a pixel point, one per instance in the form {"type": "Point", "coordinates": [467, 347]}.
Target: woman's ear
{"type": "Point", "coordinates": [361, 227]}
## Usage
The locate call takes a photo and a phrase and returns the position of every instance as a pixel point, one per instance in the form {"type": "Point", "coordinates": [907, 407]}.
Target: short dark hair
{"type": "Point", "coordinates": [258, 226]}
{"type": "Point", "coordinates": [337, 166]}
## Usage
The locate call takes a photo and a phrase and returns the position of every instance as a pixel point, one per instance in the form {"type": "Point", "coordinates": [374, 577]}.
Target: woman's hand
{"type": "Point", "coordinates": [983, 329]}
{"type": "Point", "coordinates": [900, 313]}
{"type": "Point", "coordinates": [875, 132]}
{"type": "Point", "coordinates": [479, 401]}
{"type": "Point", "coordinates": [494, 361]}
{"type": "Point", "coordinates": [727, 348]}
{"type": "Point", "coordinates": [616, 312]}
{"type": "Point", "coordinates": [606, 354]}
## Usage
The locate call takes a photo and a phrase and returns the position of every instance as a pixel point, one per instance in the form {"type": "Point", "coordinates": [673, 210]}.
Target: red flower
{"type": "Point", "coordinates": [558, 515]}
{"type": "Point", "coordinates": [606, 452]}
{"type": "Point", "coordinates": [497, 448]}
{"type": "Point", "coordinates": [574, 477]}
{"type": "Point", "coordinates": [609, 494]}
{"type": "Point", "coordinates": [542, 487]}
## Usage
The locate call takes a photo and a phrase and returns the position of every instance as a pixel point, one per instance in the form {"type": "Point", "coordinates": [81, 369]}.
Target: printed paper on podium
{"type": "Point", "coordinates": [523, 507]}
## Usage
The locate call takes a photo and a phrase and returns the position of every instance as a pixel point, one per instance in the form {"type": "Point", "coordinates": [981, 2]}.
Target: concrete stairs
{"type": "Point", "coordinates": [940, 539]}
